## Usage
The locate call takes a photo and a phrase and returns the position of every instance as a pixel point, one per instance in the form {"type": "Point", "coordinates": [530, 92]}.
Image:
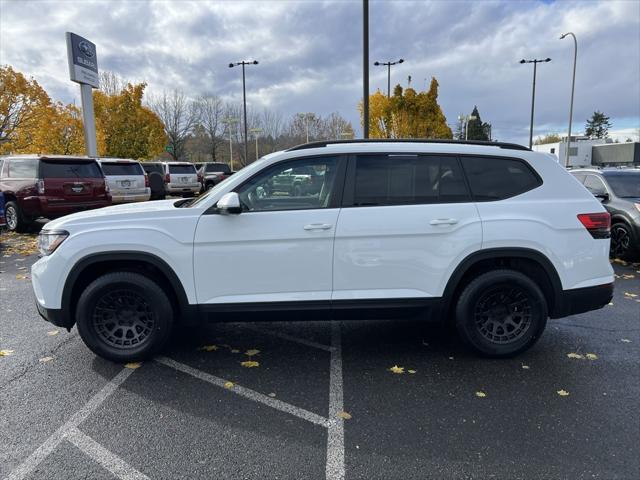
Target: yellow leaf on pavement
{"type": "Point", "coordinates": [411, 371]}
{"type": "Point", "coordinates": [53, 332]}
{"type": "Point", "coordinates": [625, 340]}
{"type": "Point", "coordinates": [575, 355]}
{"type": "Point", "coordinates": [208, 348]}
{"type": "Point", "coordinates": [396, 369]}
{"type": "Point", "coordinates": [630, 295]}
{"type": "Point", "coordinates": [563, 393]}
{"type": "Point", "coordinates": [250, 364]}
{"type": "Point", "coordinates": [526, 367]}
{"type": "Point", "coordinates": [228, 384]}
{"type": "Point", "coordinates": [5, 353]}
{"type": "Point", "coordinates": [252, 352]}
{"type": "Point", "coordinates": [45, 359]}
{"type": "Point", "coordinates": [272, 395]}
{"type": "Point", "coordinates": [592, 356]}
{"type": "Point", "coordinates": [345, 415]}
{"type": "Point", "coordinates": [133, 365]}
{"type": "Point", "coordinates": [481, 394]}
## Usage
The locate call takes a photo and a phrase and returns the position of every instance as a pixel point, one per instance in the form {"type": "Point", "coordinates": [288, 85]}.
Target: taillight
{"type": "Point", "coordinates": [106, 187]}
{"type": "Point", "coordinates": [41, 187]}
{"type": "Point", "coordinates": [167, 178]}
{"type": "Point", "coordinates": [598, 224]}
{"type": "Point", "coordinates": [146, 181]}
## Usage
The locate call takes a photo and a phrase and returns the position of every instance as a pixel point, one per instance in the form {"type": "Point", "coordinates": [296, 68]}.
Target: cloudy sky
{"type": "Point", "coordinates": [310, 53]}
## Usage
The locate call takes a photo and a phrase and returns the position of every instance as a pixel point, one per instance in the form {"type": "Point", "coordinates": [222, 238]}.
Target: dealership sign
{"type": "Point", "coordinates": [83, 60]}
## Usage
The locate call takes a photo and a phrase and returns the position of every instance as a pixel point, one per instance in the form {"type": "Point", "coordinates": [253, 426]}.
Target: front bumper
{"type": "Point", "coordinates": [54, 316]}
{"type": "Point", "coordinates": [580, 300]}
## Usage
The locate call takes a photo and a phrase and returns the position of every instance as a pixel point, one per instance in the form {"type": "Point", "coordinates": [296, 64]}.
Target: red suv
{"type": "Point", "coordinates": [50, 186]}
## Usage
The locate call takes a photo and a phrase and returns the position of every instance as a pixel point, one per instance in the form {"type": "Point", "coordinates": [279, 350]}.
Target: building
{"type": "Point", "coordinates": [587, 152]}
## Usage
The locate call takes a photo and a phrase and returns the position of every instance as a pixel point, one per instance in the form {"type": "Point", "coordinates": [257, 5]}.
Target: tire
{"type": "Point", "coordinates": [209, 186]}
{"type": "Point", "coordinates": [488, 322]}
{"type": "Point", "coordinates": [127, 293]}
{"type": "Point", "coordinates": [15, 219]}
{"type": "Point", "coordinates": [156, 182]}
{"type": "Point", "coordinates": [623, 242]}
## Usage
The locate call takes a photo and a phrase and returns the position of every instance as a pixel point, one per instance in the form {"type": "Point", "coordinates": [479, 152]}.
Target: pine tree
{"type": "Point", "coordinates": [476, 130]}
{"type": "Point", "coordinates": [597, 126]}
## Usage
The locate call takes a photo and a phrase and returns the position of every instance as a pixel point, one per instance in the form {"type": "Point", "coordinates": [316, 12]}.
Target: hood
{"type": "Point", "coordinates": [127, 211]}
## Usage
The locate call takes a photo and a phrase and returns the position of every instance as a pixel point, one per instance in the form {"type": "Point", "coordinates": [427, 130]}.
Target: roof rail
{"type": "Point", "coordinates": [324, 143]}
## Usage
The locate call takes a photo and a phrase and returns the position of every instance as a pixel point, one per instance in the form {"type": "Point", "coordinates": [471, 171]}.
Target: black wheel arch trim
{"type": "Point", "coordinates": [497, 253]}
{"type": "Point", "coordinates": [187, 310]}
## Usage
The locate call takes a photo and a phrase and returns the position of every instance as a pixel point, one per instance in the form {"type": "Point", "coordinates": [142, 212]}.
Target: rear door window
{"type": "Point", "coordinates": [23, 168]}
{"type": "Point", "coordinates": [494, 178]}
{"type": "Point", "coordinates": [404, 180]}
{"type": "Point", "coordinates": [182, 169]}
{"type": "Point", "coordinates": [122, 169]}
{"type": "Point", "coordinates": [57, 169]}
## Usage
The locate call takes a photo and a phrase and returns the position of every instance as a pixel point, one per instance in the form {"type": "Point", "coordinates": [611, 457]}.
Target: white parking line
{"type": "Point", "coordinates": [245, 392]}
{"type": "Point", "coordinates": [284, 336]}
{"type": "Point", "coordinates": [335, 436]}
{"type": "Point", "coordinates": [104, 457]}
{"type": "Point", "coordinates": [44, 450]}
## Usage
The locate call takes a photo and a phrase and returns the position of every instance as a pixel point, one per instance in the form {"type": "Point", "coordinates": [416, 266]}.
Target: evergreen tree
{"type": "Point", "coordinates": [597, 126]}
{"type": "Point", "coordinates": [476, 130]}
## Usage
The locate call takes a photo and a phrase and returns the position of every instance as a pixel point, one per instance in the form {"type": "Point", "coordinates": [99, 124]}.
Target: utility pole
{"type": "Point", "coordinates": [244, 102]}
{"type": "Point", "coordinates": [228, 122]}
{"type": "Point", "coordinates": [388, 65]}
{"type": "Point", "coordinates": [365, 68]}
{"type": "Point", "coordinates": [573, 85]}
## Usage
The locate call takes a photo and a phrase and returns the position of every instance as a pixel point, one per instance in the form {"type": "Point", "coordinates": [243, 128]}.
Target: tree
{"type": "Point", "coordinates": [476, 129]}
{"type": "Point", "coordinates": [179, 115]}
{"type": "Point", "coordinates": [125, 127]}
{"type": "Point", "coordinates": [21, 103]}
{"type": "Point", "coordinates": [549, 138]}
{"type": "Point", "coordinates": [211, 116]}
{"type": "Point", "coordinates": [407, 114]}
{"type": "Point", "coordinates": [597, 126]}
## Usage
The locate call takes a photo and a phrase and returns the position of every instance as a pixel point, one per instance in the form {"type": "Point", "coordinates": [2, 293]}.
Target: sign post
{"type": "Point", "coordinates": [83, 69]}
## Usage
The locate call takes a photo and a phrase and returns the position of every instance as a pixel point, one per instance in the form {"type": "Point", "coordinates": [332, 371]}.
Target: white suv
{"type": "Point", "coordinates": [495, 237]}
{"type": "Point", "coordinates": [127, 181]}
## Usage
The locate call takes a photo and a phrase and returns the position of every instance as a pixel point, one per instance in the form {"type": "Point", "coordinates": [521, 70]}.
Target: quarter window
{"type": "Point", "coordinates": [498, 178]}
{"type": "Point", "coordinates": [390, 180]}
{"type": "Point", "coordinates": [595, 185]}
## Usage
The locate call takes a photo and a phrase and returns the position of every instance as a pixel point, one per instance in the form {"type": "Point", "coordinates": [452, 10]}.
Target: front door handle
{"type": "Point", "coordinates": [443, 221]}
{"type": "Point", "coordinates": [318, 226]}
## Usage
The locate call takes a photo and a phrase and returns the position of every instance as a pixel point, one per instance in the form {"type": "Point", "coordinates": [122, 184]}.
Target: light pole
{"type": "Point", "coordinates": [365, 68]}
{"type": "Point", "coordinates": [573, 84]}
{"type": "Point", "coordinates": [533, 95]}
{"type": "Point", "coordinates": [465, 119]}
{"type": "Point", "coordinates": [388, 65]}
{"type": "Point", "coordinates": [255, 132]}
{"type": "Point", "coordinates": [244, 101]}
{"type": "Point", "coordinates": [228, 122]}
{"type": "Point", "coordinates": [304, 117]}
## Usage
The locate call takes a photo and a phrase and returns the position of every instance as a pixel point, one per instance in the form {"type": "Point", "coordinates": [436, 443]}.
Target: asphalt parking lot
{"type": "Point", "coordinates": [322, 401]}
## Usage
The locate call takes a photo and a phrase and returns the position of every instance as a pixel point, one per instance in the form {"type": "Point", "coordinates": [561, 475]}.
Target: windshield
{"type": "Point", "coordinates": [626, 185]}
{"type": "Point", "coordinates": [246, 171]}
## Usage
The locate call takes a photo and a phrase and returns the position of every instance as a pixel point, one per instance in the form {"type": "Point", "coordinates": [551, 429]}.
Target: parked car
{"type": "Point", "coordinates": [213, 173]}
{"type": "Point", "coordinates": [494, 236]}
{"type": "Point", "coordinates": [156, 175]}
{"type": "Point", "coordinates": [181, 178]}
{"type": "Point", "coordinates": [619, 192]}
{"type": "Point", "coordinates": [3, 222]}
{"type": "Point", "coordinates": [127, 181]}
{"type": "Point", "coordinates": [50, 186]}
{"type": "Point", "coordinates": [296, 181]}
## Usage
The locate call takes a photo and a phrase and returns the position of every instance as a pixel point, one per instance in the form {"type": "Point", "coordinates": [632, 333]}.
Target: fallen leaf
{"type": "Point", "coordinates": [526, 367]}
{"type": "Point", "coordinates": [250, 364]}
{"type": "Point", "coordinates": [272, 395]}
{"type": "Point", "coordinates": [450, 358]}
{"type": "Point", "coordinates": [235, 350]}
{"type": "Point", "coordinates": [411, 371]}
{"type": "Point", "coordinates": [592, 356]}
{"type": "Point", "coordinates": [481, 394]}
{"type": "Point", "coordinates": [133, 365]}
{"type": "Point", "coordinates": [208, 348]}
{"type": "Point", "coordinates": [575, 355]}
{"type": "Point", "coordinates": [20, 277]}
{"type": "Point", "coordinates": [396, 369]}
{"type": "Point", "coordinates": [563, 393]}
{"type": "Point", "coordinates": [630, 295]}
{"type": "Point", "coordinates": [611, 303]}
{"type": "Point", "coordinates": [5, 353]}
{"type": "Point", "coordinates": [252, 352]}
{"type": "Point", "coordinates": [628, 276]}
{"type": "Point", "coordinates": [625, 340]}
{"type": "Point", "coordinates": [53, 332]}
{"type": "Point", "coordinates": [228, 384]}
{"type": "Point", "coordinates": [345, 415]}
{"type": "Point", "coordinates": [45, 359]}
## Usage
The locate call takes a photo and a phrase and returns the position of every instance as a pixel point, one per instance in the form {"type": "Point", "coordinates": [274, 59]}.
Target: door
{"type": "Point", "coordinates": [406, 222]}
{"type": "Point", "coordinates": [279, 249]}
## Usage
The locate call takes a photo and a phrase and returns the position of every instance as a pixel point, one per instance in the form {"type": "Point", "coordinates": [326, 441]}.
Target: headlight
{"type": "Point", "coordinates": [49, 240]}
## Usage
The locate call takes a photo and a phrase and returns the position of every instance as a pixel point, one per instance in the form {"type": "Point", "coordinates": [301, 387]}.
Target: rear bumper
{"type": "Point", "coordinates": [51, 208]}
{"type": "Point", "coordinates": [118, 197]}
{"type": "Point", "coordinates": [580, 300]}
{"type": "Point", "coordinates": [177, 188]}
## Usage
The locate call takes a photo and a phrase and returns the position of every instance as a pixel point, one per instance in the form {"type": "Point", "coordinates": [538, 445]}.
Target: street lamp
{"type": "Point", "coordinates": [244, 100]}
{"type": "Point", "coordinates": [228, 122]}
{"type": "Point", "coordinates": [255, 132]}
{"type": "Point", "coordinates": [388, 65]}
{"type": "Point", "coordinates": [573, 84]}
{"type": "Point", "coordinates": [305, 118]}
{"type": "Point", "coordinates": [465, 119]}
{"type": "Point", "coordinates": [533, 96]}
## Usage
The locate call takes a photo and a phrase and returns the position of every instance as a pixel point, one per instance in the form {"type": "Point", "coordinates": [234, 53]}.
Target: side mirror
{"type": "Point", "coordinates": [229, 204]}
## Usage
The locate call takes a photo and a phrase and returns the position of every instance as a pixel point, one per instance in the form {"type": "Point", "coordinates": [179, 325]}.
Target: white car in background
{"type": "Point", "coordinates": [181, 178]}
{"type": "Point", "coordinates": [127, 180]}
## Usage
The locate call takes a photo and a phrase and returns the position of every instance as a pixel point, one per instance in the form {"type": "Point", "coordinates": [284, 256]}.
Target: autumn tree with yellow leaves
{"type": "Point", "coordinates": [407, 114]}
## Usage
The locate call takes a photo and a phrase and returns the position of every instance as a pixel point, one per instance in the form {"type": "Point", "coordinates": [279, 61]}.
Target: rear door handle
{"type": "Point", "coordinates": [443, 221]}
{"type": "Point", "coordinates": [318, 226]}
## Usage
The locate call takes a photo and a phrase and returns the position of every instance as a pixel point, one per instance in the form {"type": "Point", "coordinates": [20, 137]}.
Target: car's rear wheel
{"type": "Point", "coordinates": [15, 219]}
{"type": "Point", "coordinates": [124, 316]}
{"type": "Point", "coordinates": [622, 242]}
{"type": "Point", "coordinates": [501, 313]}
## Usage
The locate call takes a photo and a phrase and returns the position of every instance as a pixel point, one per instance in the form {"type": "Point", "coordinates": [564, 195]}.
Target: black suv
{"type": "Point", "coordinates": [619, 192]}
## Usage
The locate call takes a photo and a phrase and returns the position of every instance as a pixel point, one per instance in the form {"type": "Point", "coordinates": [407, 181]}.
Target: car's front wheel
{"type": "Point", "coordinates": [501, 313]}
{"type": "Point", "coordinates": [622, 242]}
{"type": "Point", "coordinates": [124, 316]}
